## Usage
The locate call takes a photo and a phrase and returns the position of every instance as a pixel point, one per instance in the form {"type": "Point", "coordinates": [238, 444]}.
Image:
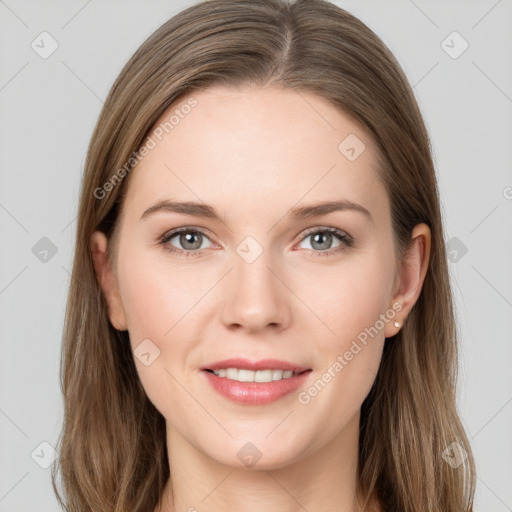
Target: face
{"type": "Point", "coordinates": [312, 293]}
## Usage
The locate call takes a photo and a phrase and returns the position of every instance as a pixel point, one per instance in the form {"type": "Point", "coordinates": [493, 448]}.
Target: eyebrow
{"type": "Point", "coordinates": [299, 213]}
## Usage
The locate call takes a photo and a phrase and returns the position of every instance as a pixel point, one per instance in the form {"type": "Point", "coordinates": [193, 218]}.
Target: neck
{"type": "Point", "coordinates": [322, 481]}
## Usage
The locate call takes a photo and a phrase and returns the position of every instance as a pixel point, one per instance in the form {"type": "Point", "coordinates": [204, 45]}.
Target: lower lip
{"type": "Point", "coordinates": [255, 393]}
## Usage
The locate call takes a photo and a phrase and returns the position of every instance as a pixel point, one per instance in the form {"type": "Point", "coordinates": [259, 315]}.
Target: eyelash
{"type": "Point", "coordinates": [345, 239]}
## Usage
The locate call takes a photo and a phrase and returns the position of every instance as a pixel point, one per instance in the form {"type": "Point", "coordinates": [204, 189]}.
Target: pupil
{"type": "Point", "coordinates": [318, 245]}
{"type": "Point", "coordinates": [188, 239]}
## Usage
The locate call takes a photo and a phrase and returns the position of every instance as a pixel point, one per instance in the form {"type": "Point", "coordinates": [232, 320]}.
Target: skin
{"type": "Point", "coordinates": [253, 155]}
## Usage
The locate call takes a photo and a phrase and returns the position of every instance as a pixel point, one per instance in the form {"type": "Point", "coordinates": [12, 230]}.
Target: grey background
{"type": "Point", "coordinates": [48, 111]}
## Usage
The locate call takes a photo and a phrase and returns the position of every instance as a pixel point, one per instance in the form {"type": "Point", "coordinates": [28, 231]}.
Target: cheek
{"type": "Point", "coordinates": [349, 301]}
{"type": "Point", "coordinates": [157, 300]}
{"type": "Point", "coordinates": [162, 304]}
{"type": "Point", "coordinates": [156, 306]}
{"type": "Point", "coordinates": [349, 351]}
{"type": "Point", "coordinates": [149, 302]}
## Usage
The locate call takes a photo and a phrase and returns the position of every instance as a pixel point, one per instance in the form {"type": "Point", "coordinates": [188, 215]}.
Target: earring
{"type": "Point", "coordinates": [397, 324]}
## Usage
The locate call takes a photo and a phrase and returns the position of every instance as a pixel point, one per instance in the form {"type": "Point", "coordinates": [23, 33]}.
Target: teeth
{"type": "Point", "coordinates": [277, 374]}
{"type": "Point", "coordinates": [263, 376]}
{"type": "Point", "coordinates": [232, 373]}
{"type": "Point", "coordinates": [242, 375]}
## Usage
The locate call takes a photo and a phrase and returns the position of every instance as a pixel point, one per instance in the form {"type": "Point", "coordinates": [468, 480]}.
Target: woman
{"type": "Point", "coordinates": [211, 360]}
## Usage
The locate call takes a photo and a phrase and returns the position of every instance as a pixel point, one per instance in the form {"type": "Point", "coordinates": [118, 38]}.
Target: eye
{"type": "Point", "coordinates": [322, 241]}
{"type": "Point", "coordinates": [191, 239]}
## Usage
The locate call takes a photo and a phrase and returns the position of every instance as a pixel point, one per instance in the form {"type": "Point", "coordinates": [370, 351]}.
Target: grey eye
{"type": "Point", "coordinates": [321, 240]}
{"type": "Point", "coordinates": [189, 240]}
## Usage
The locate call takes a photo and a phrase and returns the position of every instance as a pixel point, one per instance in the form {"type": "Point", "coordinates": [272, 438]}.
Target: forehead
{"type": "Point", "coordinates": [262, 147]}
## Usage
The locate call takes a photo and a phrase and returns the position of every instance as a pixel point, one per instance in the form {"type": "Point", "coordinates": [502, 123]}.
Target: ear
{"type": "Point", "coordinates": [107, 280]}
{"type": "Point", "coordinates": [410, 279]}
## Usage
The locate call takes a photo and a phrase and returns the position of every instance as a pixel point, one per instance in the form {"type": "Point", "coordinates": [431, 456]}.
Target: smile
{"type": "Point", "coordinates": [242, 375]}
{"type": "Point", "coordinates": [255, 383]}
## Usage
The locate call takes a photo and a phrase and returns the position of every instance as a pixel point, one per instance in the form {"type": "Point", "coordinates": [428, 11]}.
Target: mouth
{"type": "Point", "coordinates": [255, 383]}
{"type": "Point", "coordinates": [264, 370]}
{"type": "Point", "coordinates": [243, 375]}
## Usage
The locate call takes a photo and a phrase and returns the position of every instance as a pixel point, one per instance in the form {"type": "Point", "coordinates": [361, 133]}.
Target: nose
{"type": "Point", "coordinates": [255, 296]}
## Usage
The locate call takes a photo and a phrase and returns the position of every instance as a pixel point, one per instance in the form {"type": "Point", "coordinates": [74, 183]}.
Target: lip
{"type": "Point", "coordinates": [255, 393]}
{"type": "Point", "coordinates": [262, 364]}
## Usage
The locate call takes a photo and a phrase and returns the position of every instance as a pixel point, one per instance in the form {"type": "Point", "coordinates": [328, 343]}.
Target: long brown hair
{"type": "Point", "coordinates": [113, 453]}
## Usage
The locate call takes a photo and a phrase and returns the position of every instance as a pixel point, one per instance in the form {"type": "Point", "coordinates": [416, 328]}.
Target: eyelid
{"type": "Point", "coordinates": [345, 238]}
{"type": "Point", "coordinates": [320, 228]}
{"type": "Point", "coordinates": [174, 231]}
{"type": "Point", "coordinates": [208, 233]}
{"type": "Point", "coordinates": [187, 229]}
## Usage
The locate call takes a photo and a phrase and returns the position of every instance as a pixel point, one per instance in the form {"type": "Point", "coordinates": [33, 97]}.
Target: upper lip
{"type": "Point", "coordinates": [262, 364]}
